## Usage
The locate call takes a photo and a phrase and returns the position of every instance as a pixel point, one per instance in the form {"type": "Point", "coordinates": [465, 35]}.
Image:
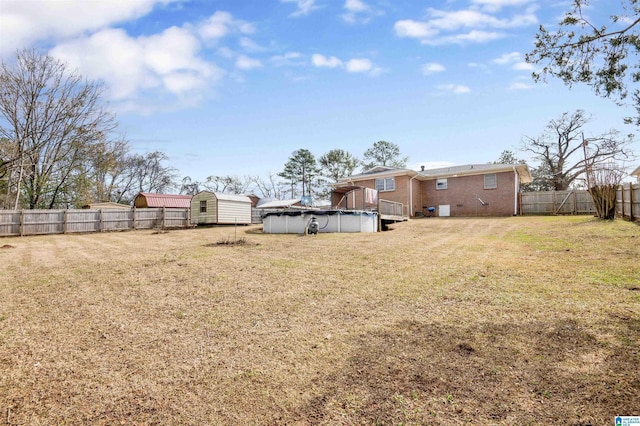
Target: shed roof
{"type": "Point", "coordinates": [166, 200]}
{"type": "Point", "coordinates": [227, 197]}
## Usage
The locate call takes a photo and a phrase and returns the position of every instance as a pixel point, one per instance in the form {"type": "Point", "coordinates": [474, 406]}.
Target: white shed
{"type": "Point", "coordinates": [214, 208]}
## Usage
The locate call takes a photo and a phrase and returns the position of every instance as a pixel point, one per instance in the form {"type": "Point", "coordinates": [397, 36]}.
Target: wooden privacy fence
{"type": "Point", "coordinates": [556, 202]}
{"type": "Point", "coordinates": [580, 202]}
{"type": "Point", "coordinates": [628, 201]}
{"type": "Point", "coordinates": [39, 222]}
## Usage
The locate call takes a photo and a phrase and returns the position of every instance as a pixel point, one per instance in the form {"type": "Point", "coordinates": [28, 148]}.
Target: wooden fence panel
{"type": "Point", "coordinates": [117, 219]}
{"type": "Point", "coordinates": [82, 221]}
{"type": "Point", "coordinates": [176, 218]}
{"type": "Point", "coordinates": [557, 202]}
{"type": "Point", "coordinates": [148, 218]}
{"type": "Point", "coordinates": [39, 222]}
{"type": "Point", "coordinates": [628, 201]}
{"type": "Point", "coordinates": [42, 222]}
{"type": "Point", "coordinates": [9, 223]}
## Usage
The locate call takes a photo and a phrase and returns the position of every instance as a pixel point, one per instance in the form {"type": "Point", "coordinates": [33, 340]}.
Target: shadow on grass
{"type": "Point", "coordinates": [535, 373]}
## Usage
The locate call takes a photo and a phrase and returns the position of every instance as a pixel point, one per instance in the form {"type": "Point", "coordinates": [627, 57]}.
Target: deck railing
{"type": "Point", "coordinates": [390, 208]}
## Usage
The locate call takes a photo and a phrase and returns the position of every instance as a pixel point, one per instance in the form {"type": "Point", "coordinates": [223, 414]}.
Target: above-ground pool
{"type": "Point", "coordinates": [297, 221]}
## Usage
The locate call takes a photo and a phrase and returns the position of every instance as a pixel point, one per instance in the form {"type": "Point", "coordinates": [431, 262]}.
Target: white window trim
{"type": "Point", "coordinates": [385, 186]}
{"type": "Point", "coordinates": [495, 181]}
{"type": "Point", "coordinates": [440, 182]}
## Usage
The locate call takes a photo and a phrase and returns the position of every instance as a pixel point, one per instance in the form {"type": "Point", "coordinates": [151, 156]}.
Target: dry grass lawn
{"type": "Point", "coordinates": [510, 321]}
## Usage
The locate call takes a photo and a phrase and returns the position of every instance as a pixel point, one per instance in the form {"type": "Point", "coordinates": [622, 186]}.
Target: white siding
{"type": "Point", "coordinates": [234, 212]}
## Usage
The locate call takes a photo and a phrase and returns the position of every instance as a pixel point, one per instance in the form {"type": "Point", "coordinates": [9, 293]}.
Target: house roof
{"type": "Point", "coordinates": [636, 172]}
{"type": "Point", "coordinates": [106, 205]}
{"type": "Point", "coordinates": [278, 204]}
{"type": "Point", "coordinates": [228, 197]}
{"type": "Point", "coordinates": [166, 200]}
{"type": "Point", "coordinates": [443, 172]}
{"type": "Point", "coordinates": [474, 169]}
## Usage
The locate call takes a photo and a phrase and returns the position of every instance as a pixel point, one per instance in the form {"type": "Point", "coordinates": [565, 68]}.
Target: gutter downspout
{"type": "Point", "coordinates": [411, 195]}
{"type": "Point", "coordinates": [517, 188]}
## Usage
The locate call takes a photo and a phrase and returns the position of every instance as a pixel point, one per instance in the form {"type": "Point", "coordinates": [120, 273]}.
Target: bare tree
{"type": "Point", "coordinates": [50, 118]}
{"type": "Point", "coordinates": [600, 54]}
{"type": "Point", "coordinates": [228, 184]}
{"type": "Point", "coordinates": [603, 181]}
{"type": "Point", "coordinates": [270, 187]}
{"type": "Point", "coordinates": [562, 154]}
{"type": "Point", "coordinates": [151, 175]}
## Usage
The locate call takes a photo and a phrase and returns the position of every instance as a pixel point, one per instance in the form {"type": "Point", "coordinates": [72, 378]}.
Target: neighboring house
{"type": "Point", "coordinates": [106, 205]}
{"type": "Point", "coordinates": [216, 208]}
{"type": "Point", "coordinates": [470, 190]}
{"type": "Point", "coordinates": [280, 204]}
{"type": "Point", "coordinates": [636, 173]}
{"type": "Point", "coordinates": [172, 201]}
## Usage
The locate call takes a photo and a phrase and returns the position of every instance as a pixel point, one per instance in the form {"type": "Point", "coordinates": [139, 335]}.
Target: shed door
{"type": "Point", "coordinates": [444, 210]}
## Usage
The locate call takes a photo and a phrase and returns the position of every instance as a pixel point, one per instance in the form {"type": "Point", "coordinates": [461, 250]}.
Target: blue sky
{"type": "Point", "coordinates": [233, 87]}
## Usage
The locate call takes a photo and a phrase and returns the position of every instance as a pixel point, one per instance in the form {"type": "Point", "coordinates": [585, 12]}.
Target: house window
{"type": "Point", "coordinates": [441, 184]}
{"type": "Point", "coordinates": [388, 184]}
{"type": "Point", "coordinates": [203, 206]}
{"type": "Point", "coordinates": [490, 181]}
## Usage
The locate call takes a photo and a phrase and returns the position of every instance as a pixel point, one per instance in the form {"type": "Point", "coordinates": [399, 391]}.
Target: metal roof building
{"type": "Point", "coordinates": [170, 201]}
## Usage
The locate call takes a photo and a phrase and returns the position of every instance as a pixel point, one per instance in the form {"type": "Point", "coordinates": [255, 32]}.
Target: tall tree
{"type": "Point", "coordinates": [337, 164]}
{"type": "Point", "coordinates": [508, 157]}
{"type": "Point", "coordinates": [51, 117]}
{"type": "Point", "coordinates": [301, 168]}
{"type": "Point", "coordinates": [150, 174]}
{"type": "Point", "coordinates": [384, 153]}
{"type": "Point", "coordinates": [565, 154]}
{"type": "Point", "coordinates": [600, 54]}
{"type": "Point", "coordinates": [228, 184]}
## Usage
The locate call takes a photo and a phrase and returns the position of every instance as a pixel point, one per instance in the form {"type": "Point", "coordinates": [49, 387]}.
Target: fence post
{"type": "Point", "coordinates": [22, 222]}
{"type": "Point", "coordinates": [133, 212]}
{"type": "Point", "coordinates": [164, 215]}
{"type": "Point", "coordinates": [64, 221]}
{"type": "Point", "coordinates": [101, 227]}
{"type": "Point", "coordinates": [631, 212]}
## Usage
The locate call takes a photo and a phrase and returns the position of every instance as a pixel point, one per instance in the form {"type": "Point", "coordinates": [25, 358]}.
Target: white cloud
{"type": "Point", "coordinates": [359, 65]}
{"type": "Point", "coordinates": [246, 63]}
{"type": "Point", "coordinates": [508, 58]}
{"type": "Point", "coordinates": [358, 11]}
{"type": "Point", "coordinates": [355, 6]}
{"type": "Point", "coordinates": [474, 36]}
{"type": "Point", "coordinates": [496, 5]}
{"type": "Point", "coordinates": [25, 22]}
{"type": "Point", "coordinates": [287, 59]}
{"type": "Point", "coordinates": [250, 46]}
{"type": "Point", "coordinates": [454, 88]}
{"type": "Point", "coordinates": [414, 29]}
{"type": "Point", "coordinates": [323, 61]}
{"type": "Point", "coordinates": [220, 24]}
{"type": "Point", "coordinates": [520, 86]}
{"type": "Point", "coordinates": [432, 68]}
{"type": "Point", "coordinates": [167, 63]}
{"type": "Point", "coordinates": [516, 59]}
{"type": "Point", "coordinates": [304, 7]}
{"type": "Point", "coordinates": [523, 66]}
{"type": "Point", "coordinates": [461, 26]}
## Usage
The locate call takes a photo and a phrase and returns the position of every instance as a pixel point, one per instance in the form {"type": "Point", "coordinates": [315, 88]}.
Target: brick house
{"type": "Point", "coordinates": [469, 190]}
